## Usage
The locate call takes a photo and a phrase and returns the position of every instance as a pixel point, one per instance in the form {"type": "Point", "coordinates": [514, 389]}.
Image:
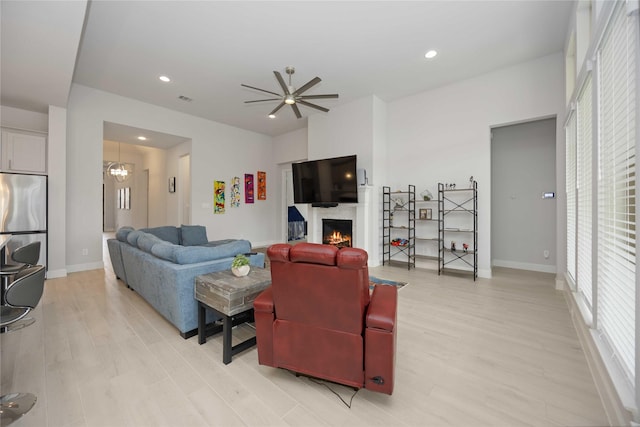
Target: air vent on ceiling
{"type": "Point", "coordinates": [185, 98]}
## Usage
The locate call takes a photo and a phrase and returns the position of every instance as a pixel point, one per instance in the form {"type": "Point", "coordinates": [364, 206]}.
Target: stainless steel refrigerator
{"type": "Point", "coordinates": [23, 212]}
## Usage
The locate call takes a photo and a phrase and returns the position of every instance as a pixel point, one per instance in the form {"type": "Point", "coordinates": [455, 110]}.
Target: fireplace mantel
{"type": "Point", "coordinates": [360, 213]}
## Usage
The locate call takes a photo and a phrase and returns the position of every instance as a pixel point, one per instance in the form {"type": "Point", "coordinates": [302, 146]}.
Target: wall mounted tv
{"type": "Point", "coordinates": [325, 182]}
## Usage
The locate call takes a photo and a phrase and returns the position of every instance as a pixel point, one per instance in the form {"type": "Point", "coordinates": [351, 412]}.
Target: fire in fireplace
{"type": "Point", "coordinates": [337, 232]}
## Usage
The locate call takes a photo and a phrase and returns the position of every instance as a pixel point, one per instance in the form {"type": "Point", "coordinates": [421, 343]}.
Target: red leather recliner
{"type": "Point", "coordinates": [317, 317]}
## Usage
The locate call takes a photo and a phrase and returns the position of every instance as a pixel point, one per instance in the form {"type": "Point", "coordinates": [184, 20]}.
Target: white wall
{"type": "Point", "coordinates": [290, 147]}
{"type": "Point", "coordinates": [346, 130]}
{"type": "Point", "coordinates": [378, 173]}
{"type": "Point", "coordinates": [443, 135]}
{"type": "Point", "coordinates": [230, 154]}
{"type": "Point", "coordinates": [23, 119]}
{"type": "Point", "coordinates": [218, 152]}
{"type": "Point", "coordinates": [155, 161]}
{"type": "Point", "coordinates": [57, 189]}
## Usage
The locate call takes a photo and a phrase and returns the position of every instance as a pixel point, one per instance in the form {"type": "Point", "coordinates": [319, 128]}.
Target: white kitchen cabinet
{"type": "Point", "coordinates": [23, 151]}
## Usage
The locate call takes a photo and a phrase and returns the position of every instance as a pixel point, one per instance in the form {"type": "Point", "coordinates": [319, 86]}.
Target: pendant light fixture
{"type": "Point", "coordinates": [119, 171]}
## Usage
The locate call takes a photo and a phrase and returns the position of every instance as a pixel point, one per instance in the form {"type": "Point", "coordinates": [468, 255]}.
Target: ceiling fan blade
{"type": "Point", "coordinates": [308, 85]}
{"type": "Point", "coordinates": [263, 100]}
{"type": "Point", "coordinates": [284, 86]}
{"type": "Point", "coordinates": [333, 95]}
{"type": "Point", "coordinates": [261, 90]}
{"type": "Point", "coordinates": [277, 108]}
{"type": "Point", "coordinates": [308, 104]}
{"type": "Point", "coordinates": [296, 110]}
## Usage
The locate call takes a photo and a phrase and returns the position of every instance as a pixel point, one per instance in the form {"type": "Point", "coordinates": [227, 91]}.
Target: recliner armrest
{"type": "Point", "coordinates": [383, 308]}
{"type": "Point", "coordinates": [264, 302]}
{"type": "Point", "coordinates": [264, 316]}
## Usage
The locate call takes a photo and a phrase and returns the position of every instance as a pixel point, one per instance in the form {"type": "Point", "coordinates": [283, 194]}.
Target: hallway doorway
{"type": "Point", "coordinates": [523, 203]}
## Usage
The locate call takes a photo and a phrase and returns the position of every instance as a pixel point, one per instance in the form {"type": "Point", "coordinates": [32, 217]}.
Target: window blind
{"type": "Point", "coordinates": [617, 56]}
{"type": "Point", "coordinates": [570, 133]}
{"type": "Point", "coordinates": [584, 146]}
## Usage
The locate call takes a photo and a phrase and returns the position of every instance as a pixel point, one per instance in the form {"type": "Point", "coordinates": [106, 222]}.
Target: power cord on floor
{"type": "Point", "coordinates": [313, 380]}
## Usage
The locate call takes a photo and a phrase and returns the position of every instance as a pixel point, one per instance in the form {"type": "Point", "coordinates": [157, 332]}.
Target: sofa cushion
{"type": "Point", "coordinates": [194, 254]}
{"type": "Point", "coordinates": [168, 232]}
{"type": "Point", "coordinates": [132, 237]}
{"type": "Point", "coordinates": [218, 242]}
{"type": "Point", "coordinates": [166, 251]}
{"type": "Point", "coordinates": [147, 240]}
{"type": "Point", "coordinates": [193, 235]}
{"type": "Point", "coordinates": [123, 232]}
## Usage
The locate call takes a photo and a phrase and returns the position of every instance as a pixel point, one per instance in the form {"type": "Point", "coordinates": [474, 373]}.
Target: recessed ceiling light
{"type": "Point", "coordinates": [430, 54]}
{"type": "Point", "coordinates": [272, 116]}
{"type": "Point", "coordinates": [165, 79]}
{"type": "Point", "coordinates": [142, 138]}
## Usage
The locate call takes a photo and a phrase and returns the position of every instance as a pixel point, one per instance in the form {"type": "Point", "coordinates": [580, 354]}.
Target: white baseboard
{"type": "Point", "coordinates": [54, 274]}
{"type": "Point", "coordinates": [524, 266]}
{"type": "Point", "coordinates": [485, 274]}
{"type": "Point", "coordinates": [84, 267]}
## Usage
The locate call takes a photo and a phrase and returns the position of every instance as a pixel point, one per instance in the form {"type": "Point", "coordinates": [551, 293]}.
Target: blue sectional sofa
{"type": "Point", "coordinates": [161, 265]}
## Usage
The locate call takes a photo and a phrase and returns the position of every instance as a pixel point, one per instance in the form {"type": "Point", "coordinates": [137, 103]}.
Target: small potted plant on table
{"type": "Point", "coordinates": [240, 265]}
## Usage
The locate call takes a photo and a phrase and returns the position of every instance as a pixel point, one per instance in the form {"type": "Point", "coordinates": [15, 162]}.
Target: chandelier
{"type": "Point", "coordinates": [119, 171]}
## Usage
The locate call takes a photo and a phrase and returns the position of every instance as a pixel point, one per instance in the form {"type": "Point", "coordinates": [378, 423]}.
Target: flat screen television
{"type": "Point", "coordinates": [325, 182]}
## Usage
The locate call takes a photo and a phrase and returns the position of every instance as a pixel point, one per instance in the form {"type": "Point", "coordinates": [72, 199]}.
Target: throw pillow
{"type": "Point", "coordinates": [168, 233]}
{"type": "Point", "coordinates": [166, 251]}
{"type": "Point", "coordinates": [122, 234]}
{"type": "Point", "coordinates": [132, 237]}
{"type": "Point", "coordinates": [193, 235]}
{"type": "Point", "coordinates": [146, 241]}
{"type": "Point", "coordinates": [195, 254]}
{"type": "Point", "coordinates": [214, 243]}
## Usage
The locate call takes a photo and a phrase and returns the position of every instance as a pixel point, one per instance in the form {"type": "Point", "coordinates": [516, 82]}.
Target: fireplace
{"type": "Point", "coordinates": [337, 232]}
{"type": "Point", "coordinates": [363, 216]}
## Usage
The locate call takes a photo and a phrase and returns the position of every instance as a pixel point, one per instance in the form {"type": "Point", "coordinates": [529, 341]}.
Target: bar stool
{"type": "Point", "coordinates": [20, 298]}
{"type": "Point", "coordinates": [26, 256]}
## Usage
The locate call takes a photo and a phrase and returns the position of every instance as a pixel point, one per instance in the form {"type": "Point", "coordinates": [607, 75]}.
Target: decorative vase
{"type": "Point", "coordinates": [241, 271]}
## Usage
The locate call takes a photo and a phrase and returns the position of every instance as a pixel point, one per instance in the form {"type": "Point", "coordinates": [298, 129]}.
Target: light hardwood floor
{"type": "Point", "coordinates": [499, 352]}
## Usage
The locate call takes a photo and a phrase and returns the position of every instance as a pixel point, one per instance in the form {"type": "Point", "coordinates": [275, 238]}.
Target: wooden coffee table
{"type": "Point", "coordinates": [231, 298]}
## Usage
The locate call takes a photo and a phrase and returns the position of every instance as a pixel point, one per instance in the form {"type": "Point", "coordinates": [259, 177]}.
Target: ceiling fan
{"type": "Point", "coordinates": [291, 96]}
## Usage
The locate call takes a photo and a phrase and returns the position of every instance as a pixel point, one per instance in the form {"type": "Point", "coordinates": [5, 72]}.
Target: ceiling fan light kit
{"type": "Point", "coordinates": [291, 96]}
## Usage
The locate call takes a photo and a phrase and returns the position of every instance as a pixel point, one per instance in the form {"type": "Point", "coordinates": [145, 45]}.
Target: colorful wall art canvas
{"type": "Point", "coordinates": [248, 188]}
{"type": "Point", "coordinates": [218, 197]}
{"type": "Point", "coordinates": [262, 185]}
{"type": "Point", "coordinates": [235, 192]}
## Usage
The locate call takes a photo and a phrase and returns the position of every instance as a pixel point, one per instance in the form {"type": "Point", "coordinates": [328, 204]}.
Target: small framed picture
{"type": "Point", "coordinates": [425, 213]}
{"type": "Point", "coordinates": [429, 214]}
{"type": "Point", "coordinates": [172, 184]}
